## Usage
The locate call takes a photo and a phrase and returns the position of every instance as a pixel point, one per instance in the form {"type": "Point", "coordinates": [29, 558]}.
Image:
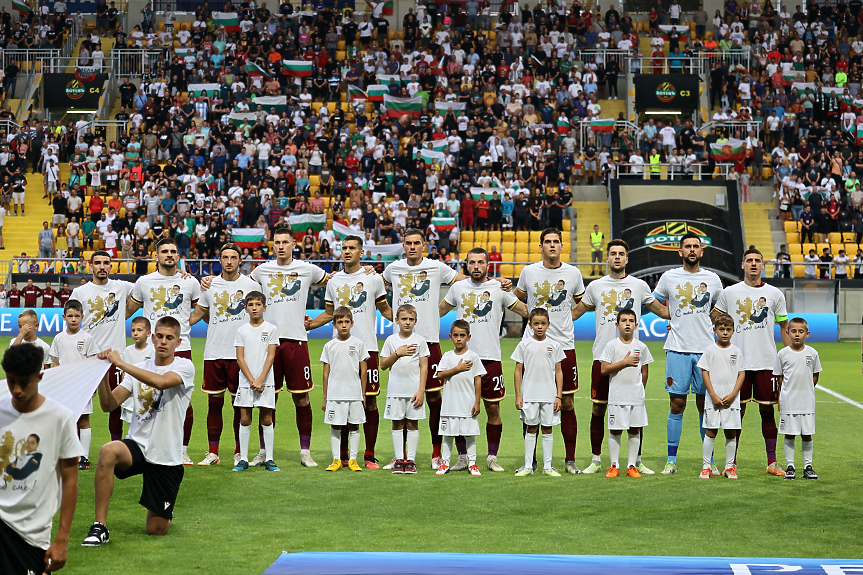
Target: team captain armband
{"type": "Point", "coordinates": [780, 318]}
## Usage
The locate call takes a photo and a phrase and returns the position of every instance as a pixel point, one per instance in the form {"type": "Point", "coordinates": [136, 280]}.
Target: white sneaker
{"type": "Point", "coordinates": [258, 460]}
{"type": "Point", "coordinates": [644, 470]}
{"type": "Point", "coordinates": [391, 464]}
{"type": "Point", "coordinates": [305, 460]}
{"type": "Point", "coordinates": [461, 464]}
{"type": "Point", "coordinates": [492, 464]}
{"type": "Point", "coordinates": [236, 459]}
{"type": "Point", "coordinates": [435, 463]}
{"type": "Point", "coordinates": [210, 459]}
{"type": "Point", "coordinates": [594, 467]}
{"type": "Point", "coordinates": [715, 470]}
{"type": "Point", "coordinates": [187, 460]}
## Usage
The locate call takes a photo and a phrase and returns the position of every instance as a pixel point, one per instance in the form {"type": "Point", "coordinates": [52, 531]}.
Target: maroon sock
{"type": "Point", "coordinates": [770, 433]}
{"type": "Point", "coordinates": [115, 424]}
{"type": "Point", "coordinates": [640, 441]}
{"type": "Point", "coordinates": [215, 403]}
{"type": "Point", "coordinates": [187, 426]}
{"type": "Point", "coordinates": [597, 434]}
{"type": "Point", "coordinates": [434, 425]}
{"type": "Point", "coordinates": [493, 433]}
{"type": "Point", "coordinates": [236, 430]}
{"type": "Point", "coordinates": [304, 425]}
{"type": "Point", "coordinates": [461, 445]}
{"type": "Point", "coordinates": [370, 431]}
{"type": "Point", "coordinates": [569, 429]}
{"type": "Point", "coordinates": [261, 436]}
{"type": "Point", "coordinates": [343, 445]}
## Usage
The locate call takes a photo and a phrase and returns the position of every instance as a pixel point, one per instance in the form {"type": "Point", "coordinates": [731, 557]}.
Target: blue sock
{"type": "Point", "coordinates": [674, 429]}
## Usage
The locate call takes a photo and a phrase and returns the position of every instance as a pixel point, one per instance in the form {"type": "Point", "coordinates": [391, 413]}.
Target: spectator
{"type": "Point", "coordinates": [47, 242]}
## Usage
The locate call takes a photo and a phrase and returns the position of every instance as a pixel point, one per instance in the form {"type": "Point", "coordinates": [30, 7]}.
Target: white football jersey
{"type": "Point", "coordinates": [554, 290]}
{"type": "Point", "coordinates": [225, 301]}
{"type": "Point", "coordinates": [610, 296]}
{"type": "Point", "coordinates": [797, 369]}
{"type": "Point", "coordinates": [625, 387]}
{"type": "Point", "coordinates": [459, 393]}
{"type": "Point", "coordinates": [404, 379]}
{"type": "Point", "coordinates": [173, 296]}
{"type": "Point", "coordinates": [723, 365]}
{"type": "Point", "coordinates": [256, 342]}
{"type": "Point", "coordinates": [689, 297]}
{"type": "Point", "coordinates": [344, 358]}
{"type": "Point", "coordinates": [360, 292]}
{"type": "Point", "coordinates": [104, 312]}
{"type": "Point", "coordinates": [482, 306]}
{"type": "Point", "coordinates": [419, 286]}
{"type": "Point", "coordinates": [287, 289]}
{"type": "Point", "coordinates": [755, 311]}
{"type": "Point", "coordinates": [539, 358]}
{"type": "Point", "coordinates": [69, 348]}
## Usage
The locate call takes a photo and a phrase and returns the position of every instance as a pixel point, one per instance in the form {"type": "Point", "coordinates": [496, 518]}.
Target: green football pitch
{"type": "Point", "coordinates": [240, 522]}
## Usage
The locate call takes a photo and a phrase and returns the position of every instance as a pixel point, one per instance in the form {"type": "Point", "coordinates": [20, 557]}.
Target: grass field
{"type": "Point", "coordinates": [239, 523]}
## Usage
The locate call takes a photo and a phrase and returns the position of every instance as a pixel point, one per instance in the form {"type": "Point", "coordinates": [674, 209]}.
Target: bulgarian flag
{"type": "Point", "coordinates": [356, 93]}
{"type": "Point", "coordinates": [341, 230]}
{"type": "Point", "coordinates": [682, 33]}
{"type": "Point", "coordinates": [602, 125]}
{"type": "Point", "coordinates": [458, 108]}
{"type": "Point", "coordinates": [255, 71]}
{"type": "Point", "coordinates": [297, 68]}
{"type": "Point", "coordinates": [280, 103]}
{"type": "Point", "coordinates": [248, 237]}
{"type": "Point", "coordinates": [398, 107]}
{"type": "Point", "coordinates": [240, 118]}
{"type": "Point", "coordinates": [443, 224]}
{"type": "Point", "coordinates": [228, 20]}
{"type": "Point", "coordinates": [388, 80]}
{"type": "Point", "coordinates": [301, 223]}
{"type": "Point", "coordinates": [430, 157]}
{"type": "Point", "coordinates": [21, 7]}
{"type": "Point", "coordinates": [385, 8]}
{"type": "Point", "coordinates": [859, 133]}
{"type": "Point", "coordinates": [730, 150]}
{"type": "Point", "coordinates": [792, 76]}
{"type": "Point", "coordinates": [477, 192]}
{"type": "Point", "coordinates": [184, 51]}
{"type": "Point", "coordinates": [377, 92]}
{"type": "Point", "coordinates": [563, 126]}
{"type": "Point", "coordinates": [198, 90]}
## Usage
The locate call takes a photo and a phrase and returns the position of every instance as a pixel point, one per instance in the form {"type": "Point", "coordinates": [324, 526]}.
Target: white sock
{"type": "Point", "coordinates": [597, 459]}
{"type": "Point", "coordinates": [730, 451]}
{"type": "Point", "coordinates": [547, 449]}
{"type": "Point", "coordinates": [269, 437]}
{"type": "Point", "coordinates": [614, 441]}
{"type": "Point", "coordinates": [808, 448]}
{"type": "Point", "coordinates": [471, 449]}
{"type": "Point", "coordinates": [185, 447]}
{"type": "Point", "coordinates": [353, 443]}
{"type": "Point", "coordinates": [245, 434]}
{"type": "Point", "coordinates": [632, 446]}
{"type": "Point", "coordinates": [529, 448]}
{"type": "Point", "coordinates": [398, 444]}
{"type": "Point", "coordinates": [707, 451]}
{"type": "Point", "coordinates": [789, 450]}
{"type": "Point", "coordinates": [336, 442]}
{"type": "Point", "coordinates": [413, 443]}
{"type": "Point", "coordinates": [446, 449]}
{"type": "Point", "coordinates": [86, 439]}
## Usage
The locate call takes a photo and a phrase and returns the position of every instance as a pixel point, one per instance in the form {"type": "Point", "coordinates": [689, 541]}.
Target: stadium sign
{"type": "Point", "coordinates": [69, 91]}
{"type": "Point", "coordinates": [665, 92]}
{"type": "Point", "coordinates": [667, 236]}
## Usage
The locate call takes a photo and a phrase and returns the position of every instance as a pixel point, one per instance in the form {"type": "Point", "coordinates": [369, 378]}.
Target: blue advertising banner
{"type": "Point", "coordinates": [824, 327]}
{"type": "Point", "coordinates": [481, 564]}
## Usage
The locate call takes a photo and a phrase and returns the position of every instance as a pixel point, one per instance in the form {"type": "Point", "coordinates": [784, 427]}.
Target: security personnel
{"type": "Point", "coordinates": [654, 164]}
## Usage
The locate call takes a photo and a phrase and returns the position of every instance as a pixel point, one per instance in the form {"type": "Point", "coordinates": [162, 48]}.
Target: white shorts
{"type": "Point", "coordinates": [535, 413]}
{"type": "Point", "coordinates": [458, 426]}
{"type": "Point", "coordinates": [18, 197]}
{"type": "Point", "coordinates": [247, 397]}
{"type": "Point", "coordinates": [344, 412]}
{"type": "Point", "coordinates": [399, 408]}
{"type": "Point", "coordinates": [88, 409]}
{"type": "Point", "coordinates": [623, 417]}
{"type": "Point", "coordinates": [797, 423]}
{"type": "Point", "coordinates": [721, 418]}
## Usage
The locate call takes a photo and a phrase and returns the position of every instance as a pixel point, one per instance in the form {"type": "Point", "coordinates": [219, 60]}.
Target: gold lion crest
{"type": "Point", "coordinates": [343, 295]}
{"type": "Point", "coordinates": [9, 451]}
{"type": "Point", "coordinates": [146, 398]}
{"type": "Point", "coordinates": [158, 295]}
{"type": "Point", "coordinates": [275, 284]}
{"type": "Point", "coordinates": [609, 302]}
{"type": "Point", "coordinates": [470, 301]}
{"type": "Point", "coordinates": [686, 294]}
{"type": "Point", "coordinates": [744, 309]}
{"type": "Point", "coordinates": [406, 283]}
{"type": "Point", "coordinates": [221, 301]}
{"type": "Point", "coordinates": [98, 307]}
{"type": "Point", "coordinates": [543, 291]}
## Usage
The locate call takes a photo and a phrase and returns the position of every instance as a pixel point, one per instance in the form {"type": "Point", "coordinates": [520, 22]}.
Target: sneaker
{"type": "Point", "coordinates": [389, 465]}
{"type": "Point", "coordinates": [410, 467]}
{"type": "Point", "coordinates": [187, 460]}
{"type": "Point", "coordinates": [461, 464]}
{"type": "Point", "coordinates": [774, 469]}
{"type": "Point", "coordinates": [442, 470]}
{"type": "Point", "coordinates": [633, 472]}
{"type": "Point", "coordinates": [644, 470]}
{"type": "Point", "coordinates": [270, 465]}
{"type": "Point", "coordinates": [714, 471]}
{"type": "Point", "coordinates": [83, 463]}
{"type": "Point", "coordinates": [551, 472]}
{"type": "Point", "coordinates": [613, 471]}
{"type": "Point", "coordinates": [98, 534]}
{"type": "Point", "coordinates": [592, 468]}
{"type": "Point", "coordinates": [572, 468]}
{"type": "Point", "coordinates": [524, 471]}
{"type": "Point", "coordinates": [371, 462]}
{"type": "Point", "coordinates": [789, 473]}
{"type": "Point", "coordinates": [474, 470]}
{"type": "Point", "coordinates": [353, 465]}
{"type": "Point", "coordinates": [669, 469]}
{"type": "Point", "coordinates": [209, 459]}
{"type": "Point", "coordinates": [705, 473]}
{"type": "Point", "coordinates": [492, 464]}
{"type": "Point", "coordinates": [436, 462]}
{"type": "Point", "coordinates": [335, 465]}
{"type": "Point", "coordinates": [241, 465]}
{"type": "Point", "coordinates": [257, 460]}
{"type": "Point", "coordinates": [809, 473]}
{"type": "Point", "coordinates": [236, 458]}
{"type": "Point", "coordinates": [307, 461]}
{"type": "Point", "coordinates": [731, 473]}
{"type": "Point", "coordinates": [399, 466]}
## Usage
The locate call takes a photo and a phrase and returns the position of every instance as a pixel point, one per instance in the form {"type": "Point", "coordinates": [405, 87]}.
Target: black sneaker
{"type": "Point", "coordinates": [399, 466]}
{"type": "Point", "coordinates": [410, 467]}
{"type": "Point", "coordinates": [98, 534]}
{"type": "Point", "coordinates": [83, 464]}
{"type": "Point", "coordinates": [809, 473]}
{"type": "Point", "coordinates": [789, 473]}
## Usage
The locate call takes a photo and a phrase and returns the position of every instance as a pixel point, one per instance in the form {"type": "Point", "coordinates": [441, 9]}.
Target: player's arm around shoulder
{"type": "Point", "coordinates": [322, 318]}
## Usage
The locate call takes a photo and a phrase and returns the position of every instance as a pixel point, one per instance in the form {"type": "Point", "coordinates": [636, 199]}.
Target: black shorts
{"type": "Point", "coordinates": [161, 482]}
{"type": "Point", "coordinates": [19, 557]}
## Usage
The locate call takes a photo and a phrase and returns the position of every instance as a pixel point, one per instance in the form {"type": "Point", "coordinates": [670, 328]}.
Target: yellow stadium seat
{"type": "Point", "coordinates": [507, 247]}
{"type": "Point", "coordinates": [465, 247]}
{"type": "Point", "coordinates": [466, 236]}
{"type": "Point", "coordinates": [316, 106]}
{"type": "Point", "coordinates": [522, 247]}
{"type": "Point", "coordinates": [508, 236]}
{"type": "Point", "coordinates": [494, 237]}
{"type": "Point", "coordinates": [807, 247]}
{"type": "Point", "coordinates": [522, 236]}
{"type": "Point", "coordinates": [507, 270]}
{"type": "Point", "coordinates": [508, 256]}
{"type": "Point", "coordinates": [340, 45]}
{"type": "Point", "coordinates": [151, 267]}
{"type": "Point", "coordinates": [480, 236]}
{"type": "Point", "coordinates": [566, 238]}
{"type": "Point", "coordinates": [518, 269]}
{"type": "Point", "coordinates": [792, 237]}
{"type": "Point", "coordinates": [315, 180]}
{"type": "Point", "coordinates": [835, 238]}
{"type": "Point", "coordinates": [534, 237]}
{"type": "Point", "coordinates": [819, 248]}
{"type": "Point", "coordinates": [834, 248]}
{"type": "Point", "coordinates": [797, 269]}
{"type": "Point", "coordinates": [566, 225]}
{"type": "Point", "coordinates": [851, 249]}
{"type": "Point", "coordinates": [331, 106]}
{"type": "Point", "coordinates": [795, 249]}
{"type": "Point", "coordinates": [791, 227]}
{"type": "Point", "coordinates": [850, 238]}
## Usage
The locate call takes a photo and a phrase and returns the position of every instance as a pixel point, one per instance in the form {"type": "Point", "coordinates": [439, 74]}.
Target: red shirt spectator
{"type": "Point", "coordinates": [494, 256]}
{"type": "Point", "coordinates": [467, 208]}
{"type": "Point", "coordinates": [96, 205]}
{"type": "Point", "coordinates": [482, 209]}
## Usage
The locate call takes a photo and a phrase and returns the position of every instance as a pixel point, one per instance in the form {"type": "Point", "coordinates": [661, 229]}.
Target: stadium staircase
{"type": "Point", "coordinates": [586, 215]}
{"type": "Point", "coordinates": [106, 43]}
{"type": "Point", "coordinates": [20, 234]}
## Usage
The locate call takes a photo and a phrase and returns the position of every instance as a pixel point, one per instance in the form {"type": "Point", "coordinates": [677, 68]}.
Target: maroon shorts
{"type": "Point", "coordinates": [433, 384]}
{"type": "Point", "coordinates": [221, 375]}
{"type": "Point", "coordinates": [760, 387]}
{"type": "Point", "coordinates": [292, 366]}
{"type": "Point", "coordinates": [373, 379]}
{"type": "Point", "coordinates": [185, 354]}
{"type": "Point", "coordinates": [493, 388]}
{"type": "Point", "coordinates": [570, 372]}
{"type": "Point", "coordinates": [598, 383]}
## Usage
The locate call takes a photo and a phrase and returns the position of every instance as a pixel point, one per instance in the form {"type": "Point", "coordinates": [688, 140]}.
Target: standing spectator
{"type": "Point", "coordinates": [46, 242]}
{"type": "Point", "coordinates": [10, 78]}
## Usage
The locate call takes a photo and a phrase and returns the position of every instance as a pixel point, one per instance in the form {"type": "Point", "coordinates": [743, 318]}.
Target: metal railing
{"type": "Point", "coordinates": [671, 65]}
{"type": "Point", "coordinates": [586, 133]}
{"type": "Point", "coordinates": [600, 55]}
{"type": "Point", "coordinates": [731, 57]}
{"type": "Point", "coordinates": [133, 61]}
{"type": "Point", "coordinates": [671, 171]}
{"type": "Point", "coordinates": [71, 42]}
{"type": "Point", "coordinates": [31, 61]}
{"type": "Point", "coordinates": [738, 129]}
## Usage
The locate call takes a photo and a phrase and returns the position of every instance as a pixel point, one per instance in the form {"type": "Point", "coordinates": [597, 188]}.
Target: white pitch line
{"type": "Point", "coordinates": [840, 396]}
